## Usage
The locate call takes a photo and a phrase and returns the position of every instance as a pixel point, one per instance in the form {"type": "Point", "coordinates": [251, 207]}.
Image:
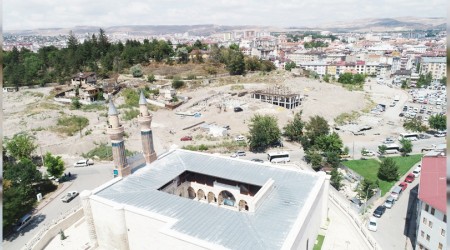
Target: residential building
{"type": "Point", "coordinates": [402, 75]}
{"type": "Point", "coordinates": [84, 78]}
{"type": "Point", "coordinates": [432, 208]}
{"type": "Point", "coordinates": [437, 66]}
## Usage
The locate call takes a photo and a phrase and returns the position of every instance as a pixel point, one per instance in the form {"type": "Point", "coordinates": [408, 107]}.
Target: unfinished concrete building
{"type": "Point", "coordinates": [278, 95]}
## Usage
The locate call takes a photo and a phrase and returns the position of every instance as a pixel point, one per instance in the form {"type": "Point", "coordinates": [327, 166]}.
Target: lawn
{"type": "Point", "coordinates": [320, 239]}
{"type": "Point", "coordinates": [369, 169]}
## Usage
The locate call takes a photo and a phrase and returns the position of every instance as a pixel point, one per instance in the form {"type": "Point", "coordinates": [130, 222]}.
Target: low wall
{"type": "Point", "coordinates": [44, 237]}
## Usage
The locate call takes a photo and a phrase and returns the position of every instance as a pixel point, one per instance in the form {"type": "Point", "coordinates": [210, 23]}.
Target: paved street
{"type": "Point", "coordinates": [393, 227]}
{"type": "Point", "coordinates": [85, 178]}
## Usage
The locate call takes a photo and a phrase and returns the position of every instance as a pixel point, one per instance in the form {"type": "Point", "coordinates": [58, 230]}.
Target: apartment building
{"type": "Point", "coordinates": [431, 208]}
{"type": "Point", "coordinates": [435, 65]}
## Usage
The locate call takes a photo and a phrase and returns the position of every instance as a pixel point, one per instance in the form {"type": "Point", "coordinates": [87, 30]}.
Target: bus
{"type": "Point", "coordinates": [391, 148]}
{"type": "Point", "coordinates": [277, 157]}
{"type": "Point", "coordinates": [409, 136]}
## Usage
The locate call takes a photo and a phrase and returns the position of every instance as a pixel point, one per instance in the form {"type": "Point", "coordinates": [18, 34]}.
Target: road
{"type": "Point", "coordinates": [85, 178]}
{"type": "Point", "coordinates": [395, 231]}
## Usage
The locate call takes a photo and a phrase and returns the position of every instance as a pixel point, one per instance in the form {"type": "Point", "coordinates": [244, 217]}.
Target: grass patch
{"type": "Point", "coordinates": [369, 169]}
{"type": "Point", "coordinates": [346, 118]}
{"type": "Point", "coordinates": [130, 114]}
{"type": "Point", "coordinates": [93, 107]}
{"type": "Point", "coordinates": [318, 245]}
{"type": "Point", "coordinates": [237, 87]}
{"type": "Point", "coordinates": [70, 125]}
{"type": "Point", "coordinates": [34, 94]}
{"type": "Point", "coordinates": [103, 152]}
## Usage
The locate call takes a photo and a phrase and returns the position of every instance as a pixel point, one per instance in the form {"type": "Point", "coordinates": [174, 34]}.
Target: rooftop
{"type": "Point", "coordinates": [432, 187]}
{"type": "Point", "coordinates": [235, 230]}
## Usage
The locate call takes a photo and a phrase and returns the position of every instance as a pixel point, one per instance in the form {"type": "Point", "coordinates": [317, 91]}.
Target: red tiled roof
{"type": "Point", "coordinates": [432, 187]}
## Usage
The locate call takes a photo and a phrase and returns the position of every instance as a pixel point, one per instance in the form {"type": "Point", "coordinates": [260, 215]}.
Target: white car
{"type": "Point", "coordinates": [239, 138]}
{"type": "Point", "coordinates": [83, 163]}
{"type": "Point", "coordinates": [372, 225]}
{"type": "Point", "coordinates": [416, 171]}
{"type": "Point", "coordinates": [440, 134]}
{"type": "Point", "coordinates": [369, 153]}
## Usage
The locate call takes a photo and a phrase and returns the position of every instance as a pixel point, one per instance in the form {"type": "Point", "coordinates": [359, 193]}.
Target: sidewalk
{"type": "Point", "coordinates": [61, 188]}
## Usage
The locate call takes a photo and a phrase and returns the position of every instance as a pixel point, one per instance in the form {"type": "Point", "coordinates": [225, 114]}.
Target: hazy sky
{"type": "Point", "coordinates": [31, 14]}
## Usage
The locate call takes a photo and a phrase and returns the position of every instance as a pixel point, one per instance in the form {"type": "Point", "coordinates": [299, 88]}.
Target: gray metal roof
{"type": "Point", "coordinates": [112, 109]}
{"type": "Point", "coordinates": [267, 228]}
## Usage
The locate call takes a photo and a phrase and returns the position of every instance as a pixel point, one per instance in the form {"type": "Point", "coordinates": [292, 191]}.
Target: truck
{"type": "Point", "coordinates": [69, 196]}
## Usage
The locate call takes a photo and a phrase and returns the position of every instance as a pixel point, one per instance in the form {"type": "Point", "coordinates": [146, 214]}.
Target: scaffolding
{"type": "Point", "coordinates": [278, 95]}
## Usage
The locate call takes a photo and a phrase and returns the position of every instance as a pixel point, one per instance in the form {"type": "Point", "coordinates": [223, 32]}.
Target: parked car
{"type": "Point", "coordinates": [388, 141]}
{"type": "Point", "coordinates": [238, 109]}
{"type": "Point", "coordinates": [69, 196]}
{"type": "Point", "coordinates": [369, 153]}
{"type": "Point", "coordinates": [258, 160]}
{"type": "Point", "coordinates": [416, 172]}
{"type": "Point", "coordinates": [356, 201]}
{"type": "Point", "coordinates": [379, 211]}
{"type": "Point", "coordinates": [23, 222]}
{"type": "Point", "coordinates": [410, 178]}
{"type": "Point", "coordinates": [440, 134]}
{"type": "Point", "coordinates": [403, 185]}
{"type": "Point", "coordinates": [186, 138]}
{"type": "Point", "coordinates": [240, 138]}
{"type": "Point", "coordinates": [389, 202]}
{"type": "Point", "coordinates": [83, 163]}
{"type": "Point", "coordinates": [238, 153]}
{"type": "Point", "coordinates": [396, 192]}
{"type": "Point", "coordinates": [372, 225]}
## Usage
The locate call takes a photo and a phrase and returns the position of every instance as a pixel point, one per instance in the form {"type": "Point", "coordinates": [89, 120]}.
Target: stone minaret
{"type": "Point", "coordinates": [145, 119]}
{"type": "Point", "coordinates": [115, 132]}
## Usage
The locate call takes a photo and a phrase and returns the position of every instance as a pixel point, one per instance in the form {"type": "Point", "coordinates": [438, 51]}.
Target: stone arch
{"type": "Point", "coordinates": [191, 193]}
{"type": "Point", "coordinates": [211, 197]}
{"type": "Point", "coordinates": [243, 205]}
{"type": "Point", "coordinates": [201, 195]}
{"type": "Point", "coordinates": [227, 198]}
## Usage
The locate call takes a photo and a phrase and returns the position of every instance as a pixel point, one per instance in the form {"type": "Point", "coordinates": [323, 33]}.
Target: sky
{"type": "Point", "coordinates": [33, 14]}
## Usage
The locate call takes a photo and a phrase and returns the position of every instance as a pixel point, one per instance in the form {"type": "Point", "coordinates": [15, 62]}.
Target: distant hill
{"type": "Point", "coordinates": [361, 25]}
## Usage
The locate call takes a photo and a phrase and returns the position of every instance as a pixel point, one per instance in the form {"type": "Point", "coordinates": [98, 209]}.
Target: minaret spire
{"type": "Point", "coordinates": [145, 120]}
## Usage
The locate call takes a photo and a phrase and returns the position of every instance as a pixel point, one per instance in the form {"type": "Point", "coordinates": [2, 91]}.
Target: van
{"type": "Point", "coordinates": [23, 222]}
{"type": "Point", "coordinates": [396, 192]}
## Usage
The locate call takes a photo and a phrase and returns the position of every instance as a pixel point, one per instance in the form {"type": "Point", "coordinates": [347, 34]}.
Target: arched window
{"type": "Point", "coordinates": [227, 198]}
{"type": "Point", "coordinates": [243, 205]}
{"type": "Point", "coordinates": [191, 193]}
{"type": "Point", "coordinates": [201, 195]}
{"type": "Point", "coordinates": [211, 197]}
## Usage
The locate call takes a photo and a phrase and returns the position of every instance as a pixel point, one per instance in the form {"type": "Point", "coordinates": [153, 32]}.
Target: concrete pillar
{"type": "Point", "coordinates": [89, 218]}
{"type": "Point", "coordinates": [326, 188]}
{"type": "Point", "coordinates": [120, 231]}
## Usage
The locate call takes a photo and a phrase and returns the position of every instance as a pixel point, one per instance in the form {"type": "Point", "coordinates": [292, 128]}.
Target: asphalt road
{"type": "Point", "coordinates": [396, 228]}
{"type": "Point", "coordinates": [85, 178]}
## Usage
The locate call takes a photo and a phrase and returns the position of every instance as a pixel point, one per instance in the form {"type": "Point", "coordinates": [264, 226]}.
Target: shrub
{"type": "Point", "coordinates": [176, 83]}
{"type": "Point", "coordinates": [69, 125]}
{"type": "Point", "coordinates": [136, 70]}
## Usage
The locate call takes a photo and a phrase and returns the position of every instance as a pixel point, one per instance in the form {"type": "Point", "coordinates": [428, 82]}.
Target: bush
{"type": "Point", "coordinates": [76, 103]}
{"type": "Point", "coordinates": [177, 83]}
{"type": "Point", "coordinates": [136, 70]}
{"type": "Point", "coordinates": [130, 114]}
{"type": "Point", "coordinates": [151, 78]}
{"type": "Point", "coordinates": [103, 152]}
{"type": "Point", "coordinates": [69, 125]}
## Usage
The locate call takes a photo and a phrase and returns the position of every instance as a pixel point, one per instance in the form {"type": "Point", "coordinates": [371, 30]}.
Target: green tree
{"type": "Point", "coordinates": [264, 131]}
{"type": "Point", "coordinates": [365, 189]}
{"type": "Point", "coordinates": [329, 143]}
{"type": "Point", "coordinates": [136, 70]}
{"type": "Point", "coordinates": [335, 179]}
{"type": "Point", "coordinates": [20, 146]}
{"type": "Point", "coordinates": [236, 64]}
{"type": "Point", "coordinates": [55, 165]}
{"type": "Point", "coordinates": [315, 127]}
{"type": "Point", "coordinates": [388, 170]}
{"type": "Point", "coordinates": [332, 158]}
{"type": "Point", "coordinates": [326, 78]}
{"type": "Point", "coordinates": [314, 158]}
{"type": "Point", "coordinates": [443, 81]}
{"type": "Point", "coordinates": [414, 125]}
{"type": "Point", "coordinates": [76, 104]}
{"type": "Point", "coordinates": [294, 129]}
{"type": "Point", "coordinates": [289, 66]}
{"type": "Point", "coordinates": [406, 147]}
{"type": "Point", "coordinates": [151, 78]}
{"type": "Point", "coordinates": [382, 149]}
{"type": "Point", "coordinates": [252, 63]}
{"type": "Point", "coordinates": [438, 122]}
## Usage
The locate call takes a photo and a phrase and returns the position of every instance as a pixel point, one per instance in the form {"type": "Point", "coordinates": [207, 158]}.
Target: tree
{"type": "Point", "coordinates": [406, 147]}
{"type": "Point", "coordinates": [332, 158]}
{"type": "Point", "coordinates": [252, 63]}
{"type": "Point", "coordinates": [414, 125]}
{"type": "Point", "coordinates": [326, 78]}
{"type": "Point", "coordinates": [76, 103]}
{"type": "Point", "coordinates": [20, 146]}
{"type": "Point", "coordinates": [289, 66]}
{"type": "Point", "coordinates": [314, 158]}
{"type": "Point", "coordinates": [264, 132]}
{"type": "Point", "coordinates": [365, 189]}
{"type": "Point", "coordinates": [55, 165]}
{"type": "Point", "coordinates": [151, 78]}
{"type": "Point", "coordinates": [382, 149]}
{"type": "Point", "coordinates": [136, 70]}
{"type": "Point", "coordinates": [335, 179]}
{"type": "Point", "coordinates": [388, 170]}
{"type": "Point", "coordinates": [316, 127]}
{"type": "Point", "coordinates": [438, 122]}
{"type": "Point", "coordinates": [329, 143]}
{"type": "Point", "coordinates": [294, 129]}
{"type": "Point", "coordinates": [236, 64]}
{"type": "Point", "coordinates": [443, 81]}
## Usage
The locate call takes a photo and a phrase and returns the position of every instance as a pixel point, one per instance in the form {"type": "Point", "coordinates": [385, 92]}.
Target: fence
{"type": "Point", "coordinates": [49, 231]}
{"type": "Point", "coordinates": [345, 206]}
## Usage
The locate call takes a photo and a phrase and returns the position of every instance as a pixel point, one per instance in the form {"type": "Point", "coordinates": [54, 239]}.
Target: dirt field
{"type": "Point", "coordinates": [32, 110]}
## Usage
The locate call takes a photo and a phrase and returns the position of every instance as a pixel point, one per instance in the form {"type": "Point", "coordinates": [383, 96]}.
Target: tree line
{"type": "Point", "coordinates": [96, 53]}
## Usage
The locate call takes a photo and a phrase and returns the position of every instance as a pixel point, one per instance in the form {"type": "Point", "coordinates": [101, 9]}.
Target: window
{"type": "Point", "coordinates": [443, 232]}
{"type": "Point", "coordinates": [428, 237]}
{"type": "Point", "coordinates": [427, 207]}
{"type": "Point", "coordinates": [424, 220]}
{"type": "Point", "coordinates": [432, 211]}
{"type": "Point", "coordinates": [430, 224]}
{"type": "Point", "coordinates": [445, 218]}
{"type": "Point", "coordinates": [422, 234]}
{"type": "Point", "coordinates": [440, 246]}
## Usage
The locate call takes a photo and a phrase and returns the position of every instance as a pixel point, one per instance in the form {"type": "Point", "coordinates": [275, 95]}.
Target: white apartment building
{"type": "Point", "coordinates": [431, 209]}
{"type": "Point", "coordinates": [437, 66]}
{"type": "Point", "coordinates": [320, 67]}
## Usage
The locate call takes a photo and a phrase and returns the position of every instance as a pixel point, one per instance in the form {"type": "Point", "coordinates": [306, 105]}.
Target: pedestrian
{"type": "Point", "coordinates": [70, 174]}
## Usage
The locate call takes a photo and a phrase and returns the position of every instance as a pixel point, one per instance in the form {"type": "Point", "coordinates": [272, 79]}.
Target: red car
{"type": "Point", "coordinates": [410, 178]}
{"type": "Point", "coordinates": [404, 185]}
{"type": "Point", "coordinates": [186, 138]}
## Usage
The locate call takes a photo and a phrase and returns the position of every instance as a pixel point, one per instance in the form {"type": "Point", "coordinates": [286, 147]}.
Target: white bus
{"type": "Point", "coordinates": [277, 157]}
{"type": "Point", "coordinates": [409, 136]}
{"type": "Point", "coordinates": [391, 148]}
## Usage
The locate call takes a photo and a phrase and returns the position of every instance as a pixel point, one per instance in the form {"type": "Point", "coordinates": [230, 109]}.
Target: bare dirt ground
{"type": "Point", "coordinates": [33, 111]}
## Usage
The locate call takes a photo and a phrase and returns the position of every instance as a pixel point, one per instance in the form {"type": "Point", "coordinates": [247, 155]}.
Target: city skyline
{"type": "Point", "coordinates": [65, 14]}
